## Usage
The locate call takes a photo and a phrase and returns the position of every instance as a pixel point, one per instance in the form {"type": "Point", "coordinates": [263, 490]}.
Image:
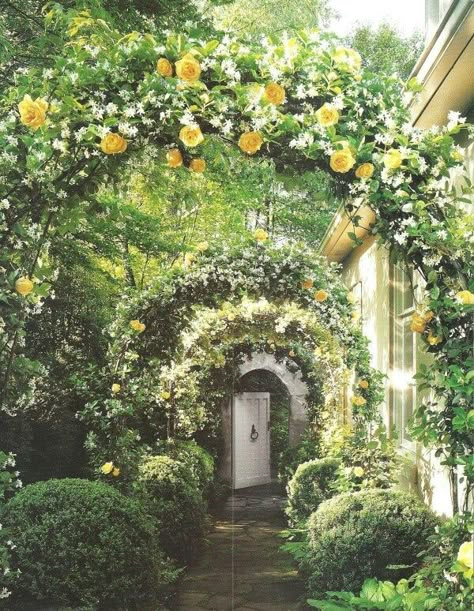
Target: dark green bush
{"type": "Point", "coordinates": [83, 543]}
{"type": "Point", "coordinates": [358, 535]}
{"type": "Point", "coordinates": [197, 459]}
{"type": "Point", "coordinates": [309, 487]}
{"type": "Point", "coordinates": [293, 456]}
{"type": "Point", "coordinates": [176, 503]}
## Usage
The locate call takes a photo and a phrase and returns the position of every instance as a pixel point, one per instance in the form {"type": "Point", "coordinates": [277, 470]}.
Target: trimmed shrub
{"type": "Point", "coordinates": [358, 535]}
{"type": "Point", "coordinates": [176, 503]}
{"type": "Point", "coordinates": [309, 487]}
{"type": "Point", "coordinates": [199, 462]}
{"type": "Point", "coordinates": [83, 543]}
{"type": "Point", "coordinates": [295, 455]}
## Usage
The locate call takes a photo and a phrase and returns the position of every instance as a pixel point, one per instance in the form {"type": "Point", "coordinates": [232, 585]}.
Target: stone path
{"type": "Point", "coordinates": [242, 568]}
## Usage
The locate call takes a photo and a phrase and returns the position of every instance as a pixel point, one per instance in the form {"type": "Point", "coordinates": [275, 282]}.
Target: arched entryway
{"type": "Point", "coordinates": [247, 419]}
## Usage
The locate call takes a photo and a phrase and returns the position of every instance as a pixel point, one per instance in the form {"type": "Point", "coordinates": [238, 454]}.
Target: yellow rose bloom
{"type": "Point", "coordinates": [392, 159]}
{"type": "Point", "coordinates": [433, 340]}
{"type": "Point", "coordinates": [363, 384]}
{"type": "Point", "coordinates": [358, 471]}
{"type": "Point", "coordinates": [358, 400]}
{"type": "Point", "coordinates": [466, 554]}
{"type": "Point", "coordinates": [202, 246]}
{"type": "Point", "coordinates": [351, 298]}
{"type": "Point", "coordinates": [191, 135]}
{"type": "Point", "coordinates": [327, 115]}
{"type": "Point", "coordinates": [260, 235]}
{"type": "Point", "coordinates": [274, 94]}
{"type": "Point", "coordinates": [418, 323]}
{"type": "Point", "coordinates": [116, 388]}
{"type": "Point", "coordinates": [321, 295]}
{"type": "Point", "coordinates": [188, 69]}
{"type": "Point", "coordinates": [33, 112]}
{"type": "Point", "coordinates": [198, 166]}
{"type": "Point", "coordinates": [107, 468]}
{"type": "Point", "coordinates": [112, 144]}
{"type": "Point", "coordinates": [291, 353]}
{"type": "Point", "coordinates": [164, 67]}
{"type": "Point", "coordinates": [231, 316]}
{"type": "Point", "coordinates": [427, 316]}
{"type": "Point", "coordinates": [342, 161]}
{"type": "Point", "coordinates": [23, 286]}
{"type": "Point", "coordinates": [347, 58]}
{"type": "Point", "coordinates": [365, 170]}
{"type": "Point", "coordinates": [308, 283]}
{"type": "Point", "coordinates": [174, 158]}
{"type": "Point", "coordinates": [250, 142]}
{"type": "Point", "coordinates": [137, 325]}
{"type": "Point", "coordinates": [165, 395]}
{"type": "Point", "coordinates": [188, 259]}
{"type": "Point", "coordinates": [465, 297]}
{"type": "Point", "coordinates": [355, 316]}
{"type": "Point", "coordinates": [116, 472]}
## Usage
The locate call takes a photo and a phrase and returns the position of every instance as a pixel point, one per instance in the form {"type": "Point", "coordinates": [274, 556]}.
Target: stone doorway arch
{"type": "Point", "coordinates": [297, 391]}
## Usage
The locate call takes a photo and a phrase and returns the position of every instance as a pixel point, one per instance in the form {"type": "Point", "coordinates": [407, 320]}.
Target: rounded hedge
{"type": "Point", "coordinates": [293, 456]}
{"type": "Point", "coordinates": [83, 543]}
{"type": "Point", "coordinates": [358, 535]}
{"type": "Point", "coordinates": [176, 503]}
{"type": "Point", "coordinates": [309, 487]}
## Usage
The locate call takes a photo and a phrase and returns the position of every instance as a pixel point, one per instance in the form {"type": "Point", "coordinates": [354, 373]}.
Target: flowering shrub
{"type": "Point", "coordinates": [9, 482]}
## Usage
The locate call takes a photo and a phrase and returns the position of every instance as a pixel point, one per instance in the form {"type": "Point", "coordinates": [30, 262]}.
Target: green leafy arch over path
{"type": "Point", "coordinates": [301, 101]}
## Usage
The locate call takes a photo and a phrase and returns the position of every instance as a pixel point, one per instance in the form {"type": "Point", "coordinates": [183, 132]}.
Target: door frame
{"type": "Point", "coordinates": [233, 430]}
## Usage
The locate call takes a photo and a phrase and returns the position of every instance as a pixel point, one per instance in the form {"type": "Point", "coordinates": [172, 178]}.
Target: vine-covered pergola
{"type": "Point", "coordinates": [301, 101]}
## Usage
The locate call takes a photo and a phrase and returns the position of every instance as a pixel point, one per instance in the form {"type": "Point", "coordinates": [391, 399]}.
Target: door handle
{"type": "Point", "coordinates": [253, 433]}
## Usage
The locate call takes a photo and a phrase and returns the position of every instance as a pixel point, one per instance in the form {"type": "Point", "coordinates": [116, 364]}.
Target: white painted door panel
{"type": "Point", "coordinates": [251, 456]}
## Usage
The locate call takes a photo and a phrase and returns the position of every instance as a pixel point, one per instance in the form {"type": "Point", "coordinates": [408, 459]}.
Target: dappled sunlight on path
{"type": "Point", "coordinates": [242, 568]}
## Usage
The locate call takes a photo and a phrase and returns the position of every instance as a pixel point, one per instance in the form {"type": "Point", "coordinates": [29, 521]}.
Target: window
{"type": "Point", "coordinates": [403, 353]}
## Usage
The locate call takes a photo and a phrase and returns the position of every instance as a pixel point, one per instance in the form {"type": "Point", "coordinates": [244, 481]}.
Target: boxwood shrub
{"type": "Point", "coordinates": [83, 543]}
{"type": "Point", "coordinates": [360, 534]}
{"type": "Point", "coordinates": [176, 503]}
{"type": "Point", "coordinates": [309, 487]}
{"type": "Point", "coordinates": [295, 455]}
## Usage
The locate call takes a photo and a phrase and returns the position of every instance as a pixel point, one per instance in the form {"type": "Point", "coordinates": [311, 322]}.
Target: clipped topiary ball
{"type": "Point", "coordinates": [357, 535]}
{"type": "Point", "coordinates": [309, 487]}
{"type": "Point", "coordinates": [83, 543]}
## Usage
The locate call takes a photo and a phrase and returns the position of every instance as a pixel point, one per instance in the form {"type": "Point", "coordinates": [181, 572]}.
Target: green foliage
{"type": "Point", "coordinates": [83, 543]}
{"type": "Point", "coordinates": [294, 455]}
{"type": "Point", "coordinates": [175, 503]}
{"type": "Point", "coordinates": [311, 484]}
{"type": "Point", "coordinates": [8, 484]}
{"type": "Point", "coordinates": [357, 534]}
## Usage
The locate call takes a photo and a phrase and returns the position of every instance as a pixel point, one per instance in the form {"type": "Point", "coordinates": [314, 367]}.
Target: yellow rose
{"type": "Point", "coordinates": [347, 58]}
{"type": "Point", "coordinates": [392, 159]}
{"type": "Point", "coordinates": [365, 170]}
{"type": "Point", "coordinates": [174, 158]}
{"type": "Point", "coordinates": [164, 67]}
{"type": "Point", "coordinates": [116, 388]}
{"type": "Point", "coordinates": [188, 259]}
{"type": "Point", "coordinates": [23, 286]}
{"type": "Point", "coordinates": [358, 471]}
{"type": "Point", "coordinates": [107, 468]}
{"type": "Point", "coordinates": [466, 555]}
{"type": "Point", "coordinates": [308, 283]}
{"type": "Point", "coordinates": [260, 235]}
{"type": "Point", "coordinates": [427, 316]}
{"type": "Point", "coordinates": [165, 395]}
{"type": "Point", "coordinates": [358, 400]}
{"type": "Point", "coordinates": [231, 316]}
{"type": "Point", "coordinates": [465, 297]}
{"type": "Point", "coordinates": [342, 161]}
{"type": "Point", "coordinates": [418, 323]}
{"type": "Point", "coordinates": [291, 353]}
{"type": "Point", "coordinates": [363, 384]}
{"type": "Point", "coordinates": [202, 246]}
{"type": "Point", "coordinates": [433, 340]}
{"type": "Point", "coordinates": [137, 325]}
{"type": "Point", "coordinates": [191, 135]}
{"type": "Point", "coordinates": [355, 316]}
{"type": "Point", "coordinates": [188, 68]}
{"type": "Point", "coordinates": [33, 112]}
{"type": "Point", "coordinates": [250, 142]}
{"type": "Point", "coordinates": [112, 144]}
{"type": "Point", "coordinates": [321, 295]}
{"type": "Point", "coordinates": [274, 94]}
{"type": "Point", "coordinates": [198, 166]}
{"type": "Point", "coordinates": [116, 472]}
{"type": "Point", "coordinates": [351, 298]}
{"type": "Point", "coordinates": [327, 115]}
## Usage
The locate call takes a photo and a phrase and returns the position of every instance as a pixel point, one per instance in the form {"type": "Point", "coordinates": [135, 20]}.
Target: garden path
{"type": "Point", "coordinates": [242, 568]}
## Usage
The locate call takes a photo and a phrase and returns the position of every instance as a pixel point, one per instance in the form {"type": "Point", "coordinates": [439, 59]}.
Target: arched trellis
{"type": "Point", "coordinates": [299, 100]}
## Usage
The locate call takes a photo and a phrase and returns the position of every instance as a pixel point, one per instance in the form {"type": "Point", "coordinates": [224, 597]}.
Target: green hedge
{"type": "Point", "coordinates": [176, 503]}
{"type": "Point", "coordinates": [358, 535]}
{"type": "Point", "coordinates": [83, 543]}
{"type": "Point", "coordinates": [295, 455]}
{"type": "Point", "coordinates": [309, 487]}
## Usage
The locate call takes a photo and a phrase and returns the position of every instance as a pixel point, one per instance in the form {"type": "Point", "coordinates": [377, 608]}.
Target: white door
{"type": "Point", "coordinates": [251, 439]}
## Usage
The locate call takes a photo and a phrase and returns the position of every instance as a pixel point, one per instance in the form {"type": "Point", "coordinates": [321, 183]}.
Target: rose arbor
{"type": "Point", "coordinates": [300, 101]}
